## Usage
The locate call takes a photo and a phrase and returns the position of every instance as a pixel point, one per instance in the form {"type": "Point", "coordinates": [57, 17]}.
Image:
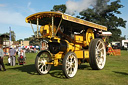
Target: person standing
{"type": "Point", "coordinates": [12, 54]}
{"type": "Point", "coordinates": [22, 57]}
{"type": "Point", "coordinates": [1, 59]}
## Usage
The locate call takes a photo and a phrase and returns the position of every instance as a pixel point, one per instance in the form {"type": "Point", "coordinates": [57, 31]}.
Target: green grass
{"type": "Point", "coordinates": [115, 72]}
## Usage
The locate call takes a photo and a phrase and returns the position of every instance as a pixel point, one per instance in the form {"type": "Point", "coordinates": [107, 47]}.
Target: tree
{"type": "Point", "coordinates": [19, 40]}
{"type": "Point", "coordinates": [32, 40]}
{"type": "Point", "coordinates": [106, 17]}
{"type": "Point", "coordinates": [61, 8]}
{"type": "Point", "coordinates": [13, 36]}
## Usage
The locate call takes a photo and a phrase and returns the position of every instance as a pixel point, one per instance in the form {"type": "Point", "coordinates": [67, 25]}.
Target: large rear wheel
{"type": "Point", "coordinates": [70, 65]}
{"type": "Point", "coordinates": [97, 54]}
{"type": "Point", "coordinates": [41, 61]}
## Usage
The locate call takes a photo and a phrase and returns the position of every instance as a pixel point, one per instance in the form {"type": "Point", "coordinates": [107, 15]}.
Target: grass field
{"type": "Point", "coordinates": [114, 73]}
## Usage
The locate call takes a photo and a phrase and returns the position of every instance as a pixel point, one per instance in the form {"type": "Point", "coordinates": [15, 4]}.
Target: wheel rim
{"type": "Point", "coordinates": [100, 54]}
{"type": "Point", "coordinates": [42, 63]}
{"type": "Point", "coordinates": [71, 65]}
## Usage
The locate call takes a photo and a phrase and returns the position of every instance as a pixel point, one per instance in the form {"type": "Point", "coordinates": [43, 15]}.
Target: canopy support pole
{"type": "Point", "coordinates": [58, 26]}
{"type": "Point", "coordinates": [37, 26]}
{"type": "Point", "coordinates": [32, 28]}
{"type": "Point", "coordinates": [52, 26]}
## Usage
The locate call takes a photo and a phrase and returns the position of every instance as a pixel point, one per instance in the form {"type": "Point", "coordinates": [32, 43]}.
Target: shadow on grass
{"type": "Point", "coordinates": [57, 72]}
{"type": "Point", "coordinates": [123, 73]}
{"type": "Point", "coordinates": [83, 67]}
{"type": "Point", "coordinates": [30, 69]}
{"type": "Point", "coordinates": [54, 72]}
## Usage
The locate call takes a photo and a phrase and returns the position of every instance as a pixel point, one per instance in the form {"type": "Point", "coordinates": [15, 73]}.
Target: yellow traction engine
{"type": "Point", "coordinates": [67, 41]}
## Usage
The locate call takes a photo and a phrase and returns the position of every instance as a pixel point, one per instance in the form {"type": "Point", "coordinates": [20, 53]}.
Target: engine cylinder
{"type": "Point", "coordinates": [56, 47]}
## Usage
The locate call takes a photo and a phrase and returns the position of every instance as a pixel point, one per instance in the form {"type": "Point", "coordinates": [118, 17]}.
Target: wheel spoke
{"type": "Point", "coordinates": [67, 68]}
{"type": "Point", "coordinates": [39, 60]}
{"type": "Point", "coordinates": [67, 71]}
{"type": "Point", "coordinates": [73, 62]}
{"type": "Point", "coordinates": [102, 48]}
{"type": "Point", "coordinates": [97, 53]}
{"type": "Point", "coordinates": [97, 59]}
{"type": "Point", "coordinates": [67, 63]}
{"type": "Point", "coordinates": [98, 45]}
{"type": "Point", "coordinates": [71, 57]}
{"type": "Point", "coordinates": [70, 70]}
{"type": "Point", "coordinates": [101, 61]}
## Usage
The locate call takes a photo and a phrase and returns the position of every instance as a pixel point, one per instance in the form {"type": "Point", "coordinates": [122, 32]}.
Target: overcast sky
{"type": "Point", "coordinates": [14, 12]}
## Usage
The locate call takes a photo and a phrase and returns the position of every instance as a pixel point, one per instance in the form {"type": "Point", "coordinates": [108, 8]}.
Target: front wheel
{"type": "Point", "coordinates": [97, 54]}
{"type": "Point", "coordinates": [41, 61]}
{"type": "Point", "coordinates": [70, 65]}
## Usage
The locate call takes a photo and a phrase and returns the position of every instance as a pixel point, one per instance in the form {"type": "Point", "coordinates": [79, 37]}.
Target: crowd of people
{"type": "Point", "coordinates": [12, 57]}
